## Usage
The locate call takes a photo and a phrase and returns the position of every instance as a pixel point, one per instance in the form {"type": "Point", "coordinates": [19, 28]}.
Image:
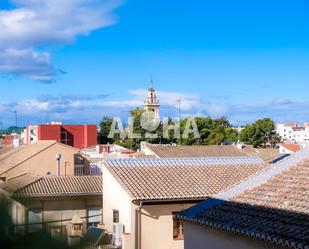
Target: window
{"type": "Point", "coordinates": [177, 229]}
{"type": "Point", "coordinates": [115, 216]}
{"type": "Point", "coordinates": [94, 216]}
{"type": "Point", "coordinates": [34, 220]}
{"type": "Point", "coordinates": [19, 219]}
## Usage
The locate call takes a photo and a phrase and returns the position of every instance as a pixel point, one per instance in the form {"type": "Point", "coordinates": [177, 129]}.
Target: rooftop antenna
{"type": "Point", "coordinates": [151, 81]}
{"type": "Point", "coordinates": [47, 118]}
{"type": "Point", "coordinates": [15, 112]}
{"type": "Point", "coordinates": [179, 108]}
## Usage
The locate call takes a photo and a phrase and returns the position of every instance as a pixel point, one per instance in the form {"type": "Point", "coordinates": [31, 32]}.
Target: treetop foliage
{"type": "Point", "coordinates": [212, 131]}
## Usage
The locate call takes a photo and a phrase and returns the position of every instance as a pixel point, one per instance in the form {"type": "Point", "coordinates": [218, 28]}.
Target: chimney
{"type": "Point", "coordinates": [239, 145]}
{"type": "Point", "coordinates": [58, 157]}
{"type": "Point", "coordinates": [108, 148]}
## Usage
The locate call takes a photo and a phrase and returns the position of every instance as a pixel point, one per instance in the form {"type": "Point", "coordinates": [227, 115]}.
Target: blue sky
{"type": "Point", "coordinates": [79, 60]}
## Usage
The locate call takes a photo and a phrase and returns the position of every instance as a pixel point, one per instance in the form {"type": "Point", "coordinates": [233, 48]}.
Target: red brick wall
{"type": "Point", "coordinates": [78, 136]}
{"type": "Point", "coordinates": [49, 132]}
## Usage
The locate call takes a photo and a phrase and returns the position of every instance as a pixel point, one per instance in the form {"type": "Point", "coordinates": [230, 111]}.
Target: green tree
{"type": "Point", "coordinates": [105, 126]}
{"type": "Point", "coordinates": [15, 129]}
{"type": "Point", "coordinates": [250, 135]}
{"type": "Point", "coordinates": [217, 135]}
{"type": "Point", "coordinates": [266, 128]}
{"type": "Point", "coordinates": [135, 128]}
{"type": "Point", "coordinates": [231, 135]}
{"type": "Point", "coordinates": [260, 133]}
{"type": "Point", "coordinates": [212, 131]}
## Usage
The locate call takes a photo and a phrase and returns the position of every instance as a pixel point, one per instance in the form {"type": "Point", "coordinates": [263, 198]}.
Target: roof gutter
{"type": "Point", "coordinates": [168, 201]}
{"type": "Point", "coordinates": [54, 195]}
{"type": "Point", "coordinates": [138, 226]}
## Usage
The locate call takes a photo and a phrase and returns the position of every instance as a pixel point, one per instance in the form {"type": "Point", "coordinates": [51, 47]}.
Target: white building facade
{"type": "Point", "coordinates": [30, 134]}
{"type": "Point", "coordinates": [293, 133]}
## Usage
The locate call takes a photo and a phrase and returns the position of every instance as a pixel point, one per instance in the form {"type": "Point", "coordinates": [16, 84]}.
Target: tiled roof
{"type": "Point", "coordinates": [12, 185]}
{"type": "Point", "coordinates": [141, 154]}
{"type": "Point", "coordinates": [202, 161]}
{"type": "Point", "coordinates": [180, 178]}
{"type": "Point", "coordinates": [20, 154]}
{"type": "Point", "coordinates": [291, 147]}
{"type": "Point", "coordinates": [266, 154]}
{"type": "Point", "coordinates": [62, 186]}
{"type": "Point", "coordinates": [13, 163]}
{"type": "Point", "coordinates": [4, 150]}
{"type": "Point", "coordinates": [195, 151]}
{"type": "Point", "coordinates": [276, 210]}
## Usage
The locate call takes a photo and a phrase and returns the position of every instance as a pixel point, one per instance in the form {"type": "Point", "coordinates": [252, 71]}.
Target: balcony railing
{"type": "Point", "coordinates": [79, 170]}
{"type": "Point", "coordinates": [93, 170]}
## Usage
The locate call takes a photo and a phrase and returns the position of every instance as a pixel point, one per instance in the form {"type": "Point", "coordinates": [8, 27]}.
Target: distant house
{"type": "Point", "coordinates": [269, 210]}
{"type": "Point", "coordinates": [78, 136]}
{"type": "Point", "coordinates": [178, 151]}
{"type": "Point", "coordinates": [289, 148]}
{"type": "Point", "coordinates": [140, 196]}
{"type": "Point", "coordinates": [175, 151]}
{"type": "Point", "coordinates": [97, 153]}
{"type": "Point", "coordinates": [43, 158]}
{"type": "Point", "coordinates": [292, 132]}
{"type": "Point", "coordinates": [9, 140]}
{"type": "Point", "coordinates": [51, 202]}
{"type": "Point", "coordinates": [100, 151]}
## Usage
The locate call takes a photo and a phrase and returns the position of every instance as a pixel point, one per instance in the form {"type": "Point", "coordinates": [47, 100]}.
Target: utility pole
{"type": "Point", "coordinates": [15, 112]}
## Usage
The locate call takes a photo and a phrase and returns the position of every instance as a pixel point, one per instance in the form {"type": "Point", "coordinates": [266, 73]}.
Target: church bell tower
{"type": "Point", "coordinates": [151, 104]}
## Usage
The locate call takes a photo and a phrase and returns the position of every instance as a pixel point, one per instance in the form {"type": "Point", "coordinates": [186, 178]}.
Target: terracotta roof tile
{"type": "Point", "coordinates": [276, 210]}
{"type": "Point", "coordinates": [62, 186]}
{"type": "Point", "coordinates": [18, 155]}
{"type": "Point", "coordinates": [12, 185]}
{"type": "Point", "coordinates": [267, 154]}
{"type": "Point", "coordinates": [166, 151]}
{"type": "Point", "coordinates": [175, 178]}
{"type": "Point", "coordinates": [292, 147]}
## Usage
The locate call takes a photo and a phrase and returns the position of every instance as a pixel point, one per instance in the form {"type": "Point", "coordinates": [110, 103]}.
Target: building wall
{"type": "Point", "coordinates": [283, 150]}
{"type": "Point", "coordinates": [49, 132]}
{"type": "Point", "coordinates": [115, 197]}
{"type": "Point", "coordinates": [156, 222]}
{"type": "Point", "coordinates": [293, 133]}
{"type": "Point", "coordinates": [157, 226]}
{"type": "Point", "coordinates": [18, 216]}
{"type": "Point", "coordinates": [59, 209]}
{"type": "Point", "coordinates": [78, 136]}
{"type": "Point", "coordinates": [46, 162]}
{"type": "Point", "coordinates": [202, 237]}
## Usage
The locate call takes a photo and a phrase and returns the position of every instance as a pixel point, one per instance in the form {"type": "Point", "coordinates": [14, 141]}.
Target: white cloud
{"type": "Point", "coordinates": [238, 112]}
{"type": "Point", "coordinates": [27, 62]}
{"type": "Point", "coordinates": [33, 23]}
{"type": "Point", "coordinates": [90, 109]}
{"type": "Point", "coordinates": [189, 102]}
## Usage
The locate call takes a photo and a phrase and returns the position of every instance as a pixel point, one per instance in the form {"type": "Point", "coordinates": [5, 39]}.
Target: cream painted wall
{"type": "Point", "coordinates": [46, 161]}
{"type": "Point", "coordinates": [115, 197]}
{"type": "Point", "coordinates": [57, 209]}
{"type": "Point", "coordinates": [18, 216]}
{"type": "Point", "coordinates": [202, 237]}
{"type": "Point", "coordinates": [157, 226]}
